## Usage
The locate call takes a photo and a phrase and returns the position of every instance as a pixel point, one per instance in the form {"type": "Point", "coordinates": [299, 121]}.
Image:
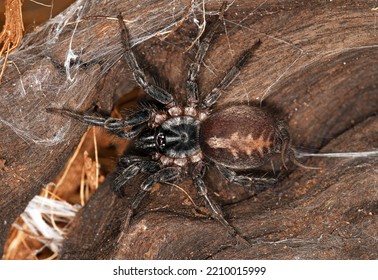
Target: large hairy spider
{"type": "Point", "coordinates": [183, 140]}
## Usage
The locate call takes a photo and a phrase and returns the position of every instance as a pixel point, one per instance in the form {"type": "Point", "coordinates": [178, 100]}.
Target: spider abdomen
{"type": "Point", "coordinates": [240, 137]}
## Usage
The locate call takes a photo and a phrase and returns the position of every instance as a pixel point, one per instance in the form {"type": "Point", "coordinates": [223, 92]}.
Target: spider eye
{"type": "Point", "coordinates": [160, 141]}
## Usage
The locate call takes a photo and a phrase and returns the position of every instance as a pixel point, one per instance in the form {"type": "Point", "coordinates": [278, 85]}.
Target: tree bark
{"type": "Point", "coordinates": [316, 68]}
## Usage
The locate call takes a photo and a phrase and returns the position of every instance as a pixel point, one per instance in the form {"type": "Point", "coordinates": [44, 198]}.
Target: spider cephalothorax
{"type": "Point", "coordinates": [183, 140]}
{"type": "Point", "coordinates": [174, 140]}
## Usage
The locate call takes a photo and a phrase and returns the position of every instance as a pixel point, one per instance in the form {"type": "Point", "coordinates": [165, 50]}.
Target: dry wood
{"type": "Point", "coordinates": [11, 35]}
{"type": "Point", "coordinates": [319, 61]}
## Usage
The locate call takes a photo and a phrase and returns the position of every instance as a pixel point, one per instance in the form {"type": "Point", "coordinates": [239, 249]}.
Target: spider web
{"type": "Point", "coordinates": [71, 86]}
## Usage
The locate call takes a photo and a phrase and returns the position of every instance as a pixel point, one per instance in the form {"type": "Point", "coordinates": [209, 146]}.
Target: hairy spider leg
{"type": "Point", "coordinates": [154, 91]}
{"type": "Point", "coordinates": [165, 175]}
{"type": "Point", "coordinates": [191, 82]}
{"type": "Point", "coordinates": [136, 121]}
{"type": "Point", "coordinates": [211, 205]}
{"type": "Point", "coordinates": [135, 165]}
{"type": "Point", "coordinates": [212, 97]}
{"type": "Point", "coordinates": [259, 183]}
{"type": "Point", "coordinates": [128, 168]}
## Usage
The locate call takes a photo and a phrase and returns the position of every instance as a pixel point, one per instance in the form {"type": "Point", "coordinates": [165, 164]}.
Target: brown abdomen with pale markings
{"type": "Point", "coordinates": [240, 137]}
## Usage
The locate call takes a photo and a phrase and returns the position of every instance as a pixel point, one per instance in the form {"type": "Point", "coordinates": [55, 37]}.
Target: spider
{"type": "Point", "coordinates": [183, 140]}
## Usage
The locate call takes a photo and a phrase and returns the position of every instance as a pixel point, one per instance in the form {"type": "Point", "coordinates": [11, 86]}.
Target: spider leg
{"type": "Point", "coordinates": [259, 184]}
{"type": "Point", "coordinates": [135, 122]}
{"type": "Point", "coordinates": [165, 175]}
{"type": "Point", "coordinates": [128, 168]}
{"type": "Point", "coordinates": [191, 82]}
{"type": "Point", "coordinates": [211, 205]}
{"type": "Point", "coordinates": [157, 93]}
{"type": "Point", "coordinates": [212, 97]}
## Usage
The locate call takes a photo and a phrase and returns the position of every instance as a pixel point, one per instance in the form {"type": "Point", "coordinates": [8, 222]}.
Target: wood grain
{"type": "Point", "coordinates": [317, 67]}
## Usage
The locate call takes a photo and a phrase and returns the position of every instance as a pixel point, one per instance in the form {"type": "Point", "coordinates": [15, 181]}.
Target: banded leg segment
{"type": "Point", "coordinates": [211, 205]}
{"type": "Point", "coordinates": [212, 97]}
{"type": "Point", "coordinates": [156, 92]}
{"type": "Point", "coordinates": [135, 122]}
{"type": "Point", "coordinates": [165, 175]}
{"type": "Point", "coordinates": [259, 184]}
{"type": "Point", "coordinates": [191, 83]}
{"type": "Point", "coordinates": [128, 168]}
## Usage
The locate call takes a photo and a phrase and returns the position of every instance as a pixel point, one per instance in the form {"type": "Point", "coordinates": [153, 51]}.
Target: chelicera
{"type": "Point", "coordinates": [182, 140]}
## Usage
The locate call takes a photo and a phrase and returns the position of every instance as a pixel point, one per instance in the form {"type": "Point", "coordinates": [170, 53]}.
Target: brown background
{"type": "Point", "coordinates": [318, 63]}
